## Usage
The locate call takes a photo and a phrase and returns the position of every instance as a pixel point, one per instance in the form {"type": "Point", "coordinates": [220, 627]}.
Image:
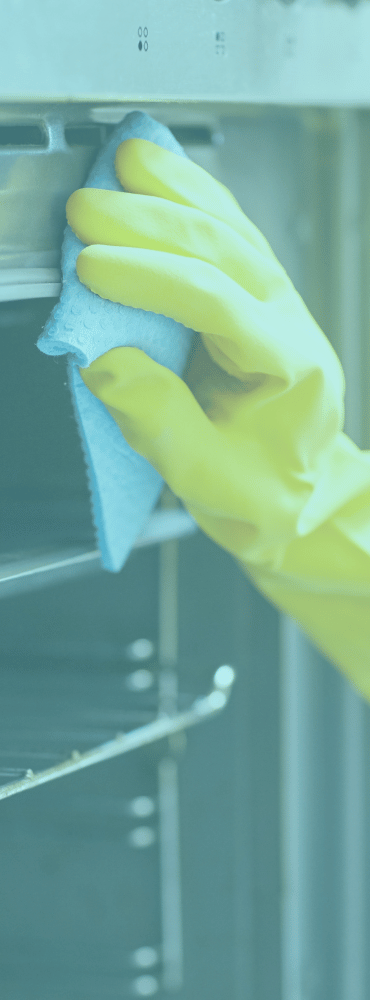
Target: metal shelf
{"type": "Point", "coordinates": [25, 571]}
{"type": "Point", "coordinates": [164, 725]}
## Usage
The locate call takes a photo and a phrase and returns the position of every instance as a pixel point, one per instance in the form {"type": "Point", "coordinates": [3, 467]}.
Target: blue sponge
{"type": "Point", "coordinates": [124, 487]}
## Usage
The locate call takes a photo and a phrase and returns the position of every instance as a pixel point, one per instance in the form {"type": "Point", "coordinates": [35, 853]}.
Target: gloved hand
{"type": "Point", "coordinates": [250, 439]}
{"type": "Point", "coordinates": [241, 438]}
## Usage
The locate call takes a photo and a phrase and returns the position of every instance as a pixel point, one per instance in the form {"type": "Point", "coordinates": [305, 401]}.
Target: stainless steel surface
{"type": "Point", "coordinates": [305, 52]}
{"type": "Point", "coordinates": [170, 859]}
{"type": "Point", "coordinates": [168, 776]}
{"type": "Point", "coordinates": [36, 180]}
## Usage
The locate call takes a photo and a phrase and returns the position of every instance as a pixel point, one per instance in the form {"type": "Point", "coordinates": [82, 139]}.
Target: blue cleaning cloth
{"type": "Point", "coordinates": [124, 487]}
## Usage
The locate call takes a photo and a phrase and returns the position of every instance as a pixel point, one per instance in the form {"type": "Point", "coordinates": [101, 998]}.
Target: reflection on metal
{"type": "Point", "coordinates": [201, 709]}
{"type": "Point", "coordinates": [141, 837]}
{"type": "Point", "coordinates": [145, 986]}
{"type": "Point", "coordinates": [168, 781]}
{"type": "Point", "coordinates": [354, 776]}
{"type": "Point", "coordinates": [172, 936]}
{"type": "Point", "coordinates": [21, 572]}
{"type": "Point", "coordinates": [145, 957]}
{"type": "Point", "coordinates": [141, 680]}
{"type": "Point", "coordinates": [140, 649]}
{"type": "Point", "coordinates": [29, 283]}
{"type": "Point", "coordinates": [142, 806]}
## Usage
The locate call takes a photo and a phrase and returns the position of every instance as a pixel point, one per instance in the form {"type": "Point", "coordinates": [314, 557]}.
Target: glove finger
{"type": "Point", "coordinates": [142, 167]}
{"type": "Point", "coordinates": [110, 218]}
{"type": "Point", "coordinates": [240, 335]}
{"type": "Point", "coordinates": [160, 418]}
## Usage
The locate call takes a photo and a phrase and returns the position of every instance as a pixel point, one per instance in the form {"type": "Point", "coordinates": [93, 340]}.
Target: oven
{"type": "Point", "coordinates": [184, 778]}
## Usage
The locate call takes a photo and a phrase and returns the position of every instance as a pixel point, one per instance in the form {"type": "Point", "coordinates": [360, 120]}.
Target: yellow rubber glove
{"type": "Point", "coordinates": [250, 439]}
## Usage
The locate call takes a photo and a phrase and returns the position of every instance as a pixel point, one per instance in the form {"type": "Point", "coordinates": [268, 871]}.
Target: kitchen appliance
{"type": "Point", "coordinates": [174, 857]}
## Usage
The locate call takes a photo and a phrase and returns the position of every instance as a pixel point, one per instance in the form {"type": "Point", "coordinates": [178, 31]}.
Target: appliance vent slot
{"type": "Point", "coordinates": [96, 135]}
{"type": "Point", "coordinates": [85, 135]}
{"type": "Point", "coordinates": [192, 135]}
{"type": "Point", "coordinates": [22, 135]}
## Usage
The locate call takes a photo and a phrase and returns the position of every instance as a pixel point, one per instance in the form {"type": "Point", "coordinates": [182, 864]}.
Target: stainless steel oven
{"type": "Point", "coordinates": [208, 832]}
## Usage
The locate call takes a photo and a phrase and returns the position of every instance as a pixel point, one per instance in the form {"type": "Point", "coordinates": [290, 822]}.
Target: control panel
{"type": "Point", "coordinates": [260, 51]}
